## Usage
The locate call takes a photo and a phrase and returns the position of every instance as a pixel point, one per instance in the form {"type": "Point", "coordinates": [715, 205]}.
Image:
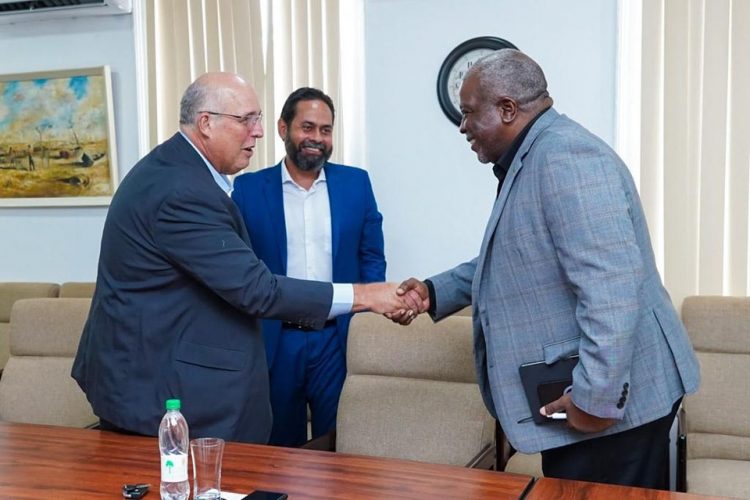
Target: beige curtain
{"type": "Point", "coordinates": [688, 117]}
{"type": "Point", "coordinates": [277, 45]}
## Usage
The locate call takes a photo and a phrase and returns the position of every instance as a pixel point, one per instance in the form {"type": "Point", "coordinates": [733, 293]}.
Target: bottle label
{"type": "Point", "coordinates": [174, 468]}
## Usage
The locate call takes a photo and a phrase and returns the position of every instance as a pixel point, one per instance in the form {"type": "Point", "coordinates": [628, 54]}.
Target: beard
{"type": "Point", "coordinates": [304, 161]}
{"type": "Point", "coordinates": [482, 157]}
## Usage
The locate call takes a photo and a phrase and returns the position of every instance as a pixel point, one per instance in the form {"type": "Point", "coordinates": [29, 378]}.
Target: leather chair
{"type": "Point", "coordinates": [36, 386]}
{"type": "Point", "coordinates": [411, 393]}
{"type": "Point", "coordinates": [714, 442]}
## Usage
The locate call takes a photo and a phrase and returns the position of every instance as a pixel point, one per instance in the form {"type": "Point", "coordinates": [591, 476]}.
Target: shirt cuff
{"type": "Point", "coordinates": [431, 292]}
{"type": "Point", "coordinates": [343, 299]}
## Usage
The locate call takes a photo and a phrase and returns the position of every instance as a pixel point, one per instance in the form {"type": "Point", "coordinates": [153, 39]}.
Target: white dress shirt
{"type": "Point", "coordinates": [309, 247]}
{"type": "Point", "coordinates": [307, 215]}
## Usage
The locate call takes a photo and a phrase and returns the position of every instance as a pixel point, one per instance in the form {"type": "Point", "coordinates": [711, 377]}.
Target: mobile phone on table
{"type": "Point", "coordinates": [266, 495]}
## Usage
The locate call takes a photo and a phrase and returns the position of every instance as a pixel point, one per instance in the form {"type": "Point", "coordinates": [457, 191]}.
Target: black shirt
{"type": "Point", "coordinates": [500, 169]}
{"type": "Point", "coordinates": [502, 165]}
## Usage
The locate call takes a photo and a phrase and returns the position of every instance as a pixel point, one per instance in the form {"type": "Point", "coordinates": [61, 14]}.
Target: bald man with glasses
{"type": "Point", "coordinates": [180, 292]}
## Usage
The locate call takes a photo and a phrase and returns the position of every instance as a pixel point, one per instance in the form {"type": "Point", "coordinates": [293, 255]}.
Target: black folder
{"type": "Point", "coordinates": [545, 383]}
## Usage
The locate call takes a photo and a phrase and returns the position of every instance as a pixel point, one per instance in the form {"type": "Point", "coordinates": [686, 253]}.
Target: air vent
{"type": "Point", "coordinates": [39, 10]}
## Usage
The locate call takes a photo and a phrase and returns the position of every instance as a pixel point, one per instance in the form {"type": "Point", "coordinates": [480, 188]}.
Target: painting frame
{"type": "Point", "coordinates": [57, 138]}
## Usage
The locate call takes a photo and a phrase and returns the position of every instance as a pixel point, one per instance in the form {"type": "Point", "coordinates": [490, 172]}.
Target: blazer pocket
{"type": "Point", "coordinates": [211, 357]}
{"type": "Point", "coordinates": [561, 349]}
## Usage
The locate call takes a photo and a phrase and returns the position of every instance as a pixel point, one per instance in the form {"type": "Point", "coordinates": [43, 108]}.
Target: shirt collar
{"type": "Point", "coordinates": [502, 166]}
{"type": "Point", "coordinates": [223, 181]}
{"type": "Point", "coordinates": [286, 177]}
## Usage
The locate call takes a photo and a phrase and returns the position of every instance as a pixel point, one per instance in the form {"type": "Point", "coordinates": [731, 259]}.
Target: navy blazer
{"type": "Point", "coordinates": [356, 231]}
{"type": "Point", "coordinates": [178, 294]}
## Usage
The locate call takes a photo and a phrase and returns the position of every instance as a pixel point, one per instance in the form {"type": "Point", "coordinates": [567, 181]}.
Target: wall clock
{"type": "Point", "coordinates": [454, 68]}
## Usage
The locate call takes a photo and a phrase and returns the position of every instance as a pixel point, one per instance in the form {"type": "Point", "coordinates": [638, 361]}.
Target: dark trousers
{"type": "Point", "coordinates": [106, 425]}
{"type": "Point", "coordinates": [309, 368]}
{"type": "Point", "coordinates": [636, 457]}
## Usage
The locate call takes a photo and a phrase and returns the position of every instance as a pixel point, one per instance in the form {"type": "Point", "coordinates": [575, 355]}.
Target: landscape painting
{"type": "Point", "coordinates": [57, 141]}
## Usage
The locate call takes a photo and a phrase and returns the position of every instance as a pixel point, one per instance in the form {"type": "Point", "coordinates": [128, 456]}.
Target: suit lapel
{"type": "Point", "coordinates": [515, 167]}
{"type": "Point", "coordinates": [275, 203]}
{"type": "Point", "coordinates": [337, 206]}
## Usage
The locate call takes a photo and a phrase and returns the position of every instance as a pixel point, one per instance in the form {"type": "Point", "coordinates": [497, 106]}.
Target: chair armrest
{"type": "Point", "coordinates": [485, 459]}
{"type": "Point", "coordinates": [326, 442]}
{"type": "Point", "coordinates": [503, 447]}
{"type": "Point", "coordinates": [681, 484]}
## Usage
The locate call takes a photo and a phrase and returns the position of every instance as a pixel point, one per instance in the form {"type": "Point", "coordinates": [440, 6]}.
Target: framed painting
{"type": "Point", "coordinates": [57, 138]}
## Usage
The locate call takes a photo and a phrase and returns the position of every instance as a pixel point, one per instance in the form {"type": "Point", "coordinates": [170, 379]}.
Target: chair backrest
{"type": "Point", "coordinates": [36, 386]}
{"type": "Point", "coordinates": [77, 289]}
{"type": "Point", "coordinates": [411, 392]}
{"type": "Point", "coordinates": [718, 415]}
{"type": "Point", "coordinates": [9, 294]}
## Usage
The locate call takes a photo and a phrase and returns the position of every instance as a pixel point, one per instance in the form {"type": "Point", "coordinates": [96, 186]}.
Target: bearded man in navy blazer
{"type": "Point", "coordinates": [179, 288]}
{"type": "Point", "coordinates": [310, 219]}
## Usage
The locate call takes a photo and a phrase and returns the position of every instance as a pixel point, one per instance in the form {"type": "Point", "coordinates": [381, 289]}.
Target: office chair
{"type": "Point", "coordinates": [411, 393]}
{"type": "Point", "coordinates": [9, 294]}
{"type": "Point", "coordinates": [714, 437]}
{"type": "Point", "coordinates": [36, 386]}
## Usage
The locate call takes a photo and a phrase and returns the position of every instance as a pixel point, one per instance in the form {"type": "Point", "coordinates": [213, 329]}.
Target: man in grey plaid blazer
{"type": "Point", "coordinates": [566, 267]}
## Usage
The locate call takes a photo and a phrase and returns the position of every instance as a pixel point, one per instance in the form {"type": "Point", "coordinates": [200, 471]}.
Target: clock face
{"type": "Point", "coordinates": [455, 67]}
{"type": "Point", "coordinates": [458, 71]}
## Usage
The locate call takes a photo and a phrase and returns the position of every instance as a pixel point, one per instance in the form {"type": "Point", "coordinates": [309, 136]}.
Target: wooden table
{"type": "Point", "coordinates": [45, 462]}
{"type": "Point", "coordinates": [546, 488]}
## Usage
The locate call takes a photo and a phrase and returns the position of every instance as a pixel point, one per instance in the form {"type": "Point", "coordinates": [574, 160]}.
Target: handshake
{"type": "Point", "coordinates": [400, 303]}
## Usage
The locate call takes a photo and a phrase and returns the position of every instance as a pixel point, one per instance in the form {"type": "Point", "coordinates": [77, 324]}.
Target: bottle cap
{"type": "Point", "coordinates": [173, 404]}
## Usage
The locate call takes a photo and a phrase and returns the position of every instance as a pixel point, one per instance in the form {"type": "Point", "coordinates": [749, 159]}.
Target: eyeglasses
{"type": "Point", "coordinates": [249, 120]}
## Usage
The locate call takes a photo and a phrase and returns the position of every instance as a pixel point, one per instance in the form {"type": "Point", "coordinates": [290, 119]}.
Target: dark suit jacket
{"type": "Point", "coordinates": [177, 296]}
{"type": "Point", "coordinates": [356, 231]}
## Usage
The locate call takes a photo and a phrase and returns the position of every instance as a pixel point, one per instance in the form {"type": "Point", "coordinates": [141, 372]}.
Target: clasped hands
{"type": "Point", "coordinates": [400, 303]}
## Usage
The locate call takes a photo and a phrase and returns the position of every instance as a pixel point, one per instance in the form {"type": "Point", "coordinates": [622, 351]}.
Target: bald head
{"type": "Point", "coordinates": [511, 73]}
{"type": "Point", "coordinates": [220, 115]}
{"type": "Point", "coordinates": [501, 94]}
{"type": "Point", "coordinates": [210, 91]}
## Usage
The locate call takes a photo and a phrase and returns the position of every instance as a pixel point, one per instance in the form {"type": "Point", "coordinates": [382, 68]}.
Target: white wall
{"type": "Point", "coordinates": [62, 244]}
{"type": "Point", "coordinates": [433, 193]}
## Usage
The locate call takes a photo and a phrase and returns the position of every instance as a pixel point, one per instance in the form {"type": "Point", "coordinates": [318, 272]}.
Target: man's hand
{"type": "Point", "coordinates": [577, 418]}
{"type": "Point", "coordinates": [415, 295]}
{"type": "Point", "coordinates": [380, 298]}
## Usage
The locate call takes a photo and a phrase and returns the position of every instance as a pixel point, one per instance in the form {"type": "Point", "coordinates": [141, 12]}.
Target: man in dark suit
{"type": "Point", "coordinates": [179, 288]}
{"type": "Point", "coordinates": [310, 219]}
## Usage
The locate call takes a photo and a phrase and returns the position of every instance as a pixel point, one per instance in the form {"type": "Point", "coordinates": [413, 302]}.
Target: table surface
{"type": "Point", "coordinates": [55, 462]}
{"type": "Point", "coordinates": [39, 461]}
{"type": "Point", "coordinates": [546, 488]}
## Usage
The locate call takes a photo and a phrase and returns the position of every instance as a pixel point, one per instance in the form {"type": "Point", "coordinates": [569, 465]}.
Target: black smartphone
{"type": "Point", "coordinates": [266, 495]}
{"type": "Point", "coordinates": [552, 391]}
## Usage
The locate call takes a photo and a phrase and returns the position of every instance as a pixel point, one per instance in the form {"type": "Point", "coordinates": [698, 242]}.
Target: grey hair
{"type": "Point", "coordinates": [199, 96]}
{"type": "Point", "coordinates": [511, 73]}
{"type": "Point", "coordinates": [193, 100]}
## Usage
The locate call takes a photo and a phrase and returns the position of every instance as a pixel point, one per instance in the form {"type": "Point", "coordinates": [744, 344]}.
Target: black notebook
{"type": "Point", "coordinates": [545, 383]}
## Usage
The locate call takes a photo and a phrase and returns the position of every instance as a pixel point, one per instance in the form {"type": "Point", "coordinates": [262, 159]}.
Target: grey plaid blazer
{"type": "Point", "coordinates": [566, 266]}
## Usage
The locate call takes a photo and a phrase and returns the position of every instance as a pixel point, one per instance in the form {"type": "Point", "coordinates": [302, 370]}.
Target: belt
{"type": "Point", "coordinates": [294, 326]}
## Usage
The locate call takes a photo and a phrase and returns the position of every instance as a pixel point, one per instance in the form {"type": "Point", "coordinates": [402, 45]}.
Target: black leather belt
{"type": "Point", "coordinates": [295, 326]}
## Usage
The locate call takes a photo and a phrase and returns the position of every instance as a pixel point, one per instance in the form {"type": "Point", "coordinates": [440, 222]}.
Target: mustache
{"type": "Point", "coordinates": [312, 144]}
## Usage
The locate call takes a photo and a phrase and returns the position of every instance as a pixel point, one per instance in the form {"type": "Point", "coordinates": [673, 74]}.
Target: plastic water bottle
{"type": "Point", "coordinates": [173, 445]}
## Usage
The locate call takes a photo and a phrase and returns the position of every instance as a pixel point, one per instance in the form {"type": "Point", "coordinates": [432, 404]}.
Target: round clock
{"type": "Point", "coordinates": [455, 66]}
